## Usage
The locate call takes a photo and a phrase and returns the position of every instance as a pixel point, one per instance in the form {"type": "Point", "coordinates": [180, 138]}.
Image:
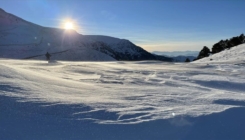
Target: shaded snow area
{"type": "Point", "coordinates": [233, 55]}
{"type": "Point", "coordinates": [121, 100]}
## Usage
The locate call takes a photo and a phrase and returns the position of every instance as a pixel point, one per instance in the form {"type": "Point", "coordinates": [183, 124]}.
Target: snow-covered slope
{"type": "Point", "coordinates": [233, 55]}
{"type": "Point", "coordinates": [22, 39]}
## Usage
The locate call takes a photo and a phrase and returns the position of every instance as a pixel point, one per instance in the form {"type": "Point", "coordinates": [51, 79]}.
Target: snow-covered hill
{"type": "Point", "coordinates": [232, 55]}
{"type": "Point", "coordinates": [21, 39]}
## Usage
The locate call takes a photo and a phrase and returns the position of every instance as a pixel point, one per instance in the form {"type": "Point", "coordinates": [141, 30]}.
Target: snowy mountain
{"type": "Point", "coordinates": [232, 55]}
{"type": "Point", "coordinates": [21, 39]}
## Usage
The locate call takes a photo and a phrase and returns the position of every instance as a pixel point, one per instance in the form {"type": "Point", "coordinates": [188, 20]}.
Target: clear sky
{"type": "Point", "coordinates": [155, 25]}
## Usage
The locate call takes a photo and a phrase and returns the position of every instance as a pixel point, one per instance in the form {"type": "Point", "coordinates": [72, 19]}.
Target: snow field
{"type": "Point", "coordinates": [136, 91]}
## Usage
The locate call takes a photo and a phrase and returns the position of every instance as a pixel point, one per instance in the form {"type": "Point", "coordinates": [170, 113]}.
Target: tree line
{"type": "Point", "coordinates": [221, 45]}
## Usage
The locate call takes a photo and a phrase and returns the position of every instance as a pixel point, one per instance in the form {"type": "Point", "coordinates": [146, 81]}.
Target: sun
{"type": "Point", "coordinates": [69, 26]}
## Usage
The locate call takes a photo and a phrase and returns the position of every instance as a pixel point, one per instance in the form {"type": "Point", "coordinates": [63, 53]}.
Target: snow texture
{"type": "Point", "coordinates": [135, 91]}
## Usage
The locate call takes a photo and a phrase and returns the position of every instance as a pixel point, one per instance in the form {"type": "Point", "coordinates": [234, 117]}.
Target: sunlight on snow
{"type": "Point", "coordinates": [135, 91]}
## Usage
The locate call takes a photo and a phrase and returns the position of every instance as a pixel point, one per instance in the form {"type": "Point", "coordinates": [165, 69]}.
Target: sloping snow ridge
{"type": "Point", "coordinates": [20, 39]}
{"type": "Point", "coordinates": [135, 91]}
{"type": "Point", "coordinates": [233, 55]}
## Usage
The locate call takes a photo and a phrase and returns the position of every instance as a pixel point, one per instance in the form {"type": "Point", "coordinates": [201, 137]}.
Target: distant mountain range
{"type": "Point", "coordinates": [20, 39]}
{"type": "Point", "coordinates": [179, 56]}
{"type": "Point", "coordinates": [177, 53]}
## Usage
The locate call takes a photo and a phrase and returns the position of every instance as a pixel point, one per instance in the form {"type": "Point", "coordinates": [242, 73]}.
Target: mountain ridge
{"type": "Point", "coordinates": [21, 39]}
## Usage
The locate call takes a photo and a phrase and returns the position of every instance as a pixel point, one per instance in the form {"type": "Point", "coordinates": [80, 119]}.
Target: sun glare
{"type": "Point", "coordinates": [69, 25]}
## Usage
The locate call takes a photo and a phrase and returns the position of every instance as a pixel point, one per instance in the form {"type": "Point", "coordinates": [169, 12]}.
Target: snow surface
{"type": "Point", "coordinates": [233, 55]}
{"type": "Point", "coordinates": [94, 100]}
{"type": "Point", "coordinates": [136, 91]}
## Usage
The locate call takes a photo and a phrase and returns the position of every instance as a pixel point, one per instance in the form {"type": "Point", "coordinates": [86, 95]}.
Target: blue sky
{"type": "Point", "coordinates": [155, 25]}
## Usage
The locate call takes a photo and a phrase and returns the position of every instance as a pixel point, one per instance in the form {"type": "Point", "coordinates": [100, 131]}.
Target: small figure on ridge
{"type": "Point", "coordinates": [47, 56]}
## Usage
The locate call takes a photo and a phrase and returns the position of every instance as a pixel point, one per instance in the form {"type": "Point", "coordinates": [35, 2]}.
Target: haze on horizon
{"type": "Point", "coordinates": [160, 25]}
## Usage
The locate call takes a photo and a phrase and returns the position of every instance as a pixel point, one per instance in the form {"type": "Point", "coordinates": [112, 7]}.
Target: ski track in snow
{"type": "Point", "coordinates": [135, 91]}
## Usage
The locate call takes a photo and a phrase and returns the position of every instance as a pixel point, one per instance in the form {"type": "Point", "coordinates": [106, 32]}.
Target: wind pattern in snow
{"type": "Point", "coordinates": [135, 91]}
